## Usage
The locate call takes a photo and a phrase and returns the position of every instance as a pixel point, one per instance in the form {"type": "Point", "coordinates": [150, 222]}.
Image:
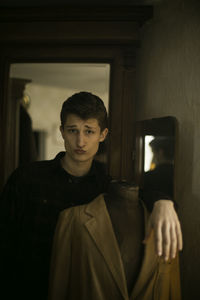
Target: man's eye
{"type": "Point", "coordinates": [89, 132]}
{"type": "Point", "coordinates": [72, 130]}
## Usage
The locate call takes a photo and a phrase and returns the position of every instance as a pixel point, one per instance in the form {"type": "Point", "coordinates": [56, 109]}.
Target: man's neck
{"type": "Point", "coordinates": [75, 168]}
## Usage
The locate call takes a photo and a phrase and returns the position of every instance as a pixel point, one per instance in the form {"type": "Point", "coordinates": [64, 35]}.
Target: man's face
{"type": "Point", "coordinates": [82, 138]}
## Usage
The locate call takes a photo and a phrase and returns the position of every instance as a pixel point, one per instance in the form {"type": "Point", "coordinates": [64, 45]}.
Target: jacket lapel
{"type": "Point", "coordinates": [100, 228]}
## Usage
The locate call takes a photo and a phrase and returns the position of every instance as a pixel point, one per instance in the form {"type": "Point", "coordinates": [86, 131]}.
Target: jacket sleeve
{"type": "Point", "coordinates": [61, 257]}
{"type": "Point", "coordinates": [156, 185]}
{"type": "Point", "coordinates": [9, 227]}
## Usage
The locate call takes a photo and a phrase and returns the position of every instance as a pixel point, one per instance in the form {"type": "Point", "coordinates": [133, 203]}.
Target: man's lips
{"type": "Point", "coordinates": [80, 151]}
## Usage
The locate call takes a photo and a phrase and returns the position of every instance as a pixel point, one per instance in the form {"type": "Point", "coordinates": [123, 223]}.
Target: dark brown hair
{"type": "Point", "coordinates": [164, 143]}
{"type": "Point", "coordinates": [86, 106]}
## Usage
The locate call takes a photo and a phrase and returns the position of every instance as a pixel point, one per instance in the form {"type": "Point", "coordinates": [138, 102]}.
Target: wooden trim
{"type": "Point", "coordinates": [70, 32]}
{"type": "Point", "coordinates": [103, 54]}
{"type": "Point", "coordinates": [139, 14]}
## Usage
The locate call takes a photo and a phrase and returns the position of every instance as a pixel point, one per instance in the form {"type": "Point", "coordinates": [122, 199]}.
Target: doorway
{"type": "Point", "coordinates": [92, 34]}
{"type": "Point", "coordinates": [45, 86]}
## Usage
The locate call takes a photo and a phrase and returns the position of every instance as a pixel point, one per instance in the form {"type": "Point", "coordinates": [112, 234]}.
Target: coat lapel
{"type": "Point", "coordinates": [100, 228]}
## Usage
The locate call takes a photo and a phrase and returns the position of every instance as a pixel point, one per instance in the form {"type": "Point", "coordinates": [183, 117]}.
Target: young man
{"type": "Point", "coordinates": [34, 196]}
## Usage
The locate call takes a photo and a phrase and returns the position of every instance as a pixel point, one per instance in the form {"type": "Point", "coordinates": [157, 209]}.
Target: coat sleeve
{"type": "Point", "coordinates": [61, 257]}
{"type": "Point", "coordinates": [9, 227]}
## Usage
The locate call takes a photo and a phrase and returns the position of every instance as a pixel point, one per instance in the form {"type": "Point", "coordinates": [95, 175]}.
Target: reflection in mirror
{"type": "Point", "coordinates": [148, 154]}
{"type": "Point", "coordinates": [42, 88]}
{"type": "Point", "coordinates": [158, 150]}
{"type": "Point", "coordinates": [154, 158]}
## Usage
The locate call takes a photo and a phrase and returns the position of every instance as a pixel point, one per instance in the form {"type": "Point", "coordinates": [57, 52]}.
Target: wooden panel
{"type": "Point", "coordinates": [79, 12]}
{"type": "Point", "coordinates": [70, 32]}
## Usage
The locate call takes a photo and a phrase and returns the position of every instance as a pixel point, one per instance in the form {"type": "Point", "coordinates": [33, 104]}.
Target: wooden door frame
{"type": "Point", "coordinates": [92, 35]}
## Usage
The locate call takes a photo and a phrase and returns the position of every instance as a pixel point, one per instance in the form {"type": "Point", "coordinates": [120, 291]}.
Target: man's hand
{"type": "Point", "coordinates": [167, 230]}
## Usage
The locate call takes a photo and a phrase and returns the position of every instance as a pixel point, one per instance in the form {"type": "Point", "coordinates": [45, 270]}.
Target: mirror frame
{"type": "Point", "coordinates": [163, 126]}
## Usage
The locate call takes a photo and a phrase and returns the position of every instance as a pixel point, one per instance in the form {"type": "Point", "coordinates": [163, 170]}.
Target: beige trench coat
{"type": "Point", "coordinates": [86, 262]}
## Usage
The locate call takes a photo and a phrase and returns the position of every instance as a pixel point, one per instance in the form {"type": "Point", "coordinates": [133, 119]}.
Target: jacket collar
{"type": "Point", "coordinates": [100, 228]}
{"type": "Point", "coordinates": [97, 169]}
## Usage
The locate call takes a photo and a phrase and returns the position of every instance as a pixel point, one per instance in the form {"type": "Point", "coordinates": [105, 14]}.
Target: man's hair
{"type": "Point", "coordinates": [164, 143]}
{"type": "Point", "coordinates": [85, 105]}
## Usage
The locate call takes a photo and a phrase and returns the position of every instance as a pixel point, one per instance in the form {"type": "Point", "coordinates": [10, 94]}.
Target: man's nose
{"type": "Point", "coordinates": [80, 140]}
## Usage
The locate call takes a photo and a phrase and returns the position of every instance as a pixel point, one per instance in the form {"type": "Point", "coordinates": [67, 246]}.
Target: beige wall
{"type": "Point", "coordinates": [168, 83]}
{"type": "Point", "coordinates": [51, 84]}
{"type": "Point", "coordinates": [46, 104]}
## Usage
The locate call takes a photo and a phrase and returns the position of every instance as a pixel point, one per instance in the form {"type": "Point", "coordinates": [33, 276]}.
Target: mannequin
{"type": "Point", "coordinates": [126, 213]}
{"type": "Point", "coordinates": [98, 252]}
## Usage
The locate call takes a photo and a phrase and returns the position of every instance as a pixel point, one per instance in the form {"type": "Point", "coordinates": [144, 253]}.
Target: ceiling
{"type": "Point", "coordinates": [64, 75]}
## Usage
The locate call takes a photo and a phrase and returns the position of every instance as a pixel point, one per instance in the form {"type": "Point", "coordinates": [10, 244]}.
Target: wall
{"type": "Point", "coordinates": [168, 83]}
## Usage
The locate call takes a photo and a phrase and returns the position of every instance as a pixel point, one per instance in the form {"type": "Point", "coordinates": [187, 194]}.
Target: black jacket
{"type": "Point", "coordinates": [29, 207]}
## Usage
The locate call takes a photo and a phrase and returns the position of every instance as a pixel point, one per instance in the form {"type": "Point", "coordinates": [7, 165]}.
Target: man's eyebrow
{"type": "Point", "coordinates": [71, 126]}
{"type": "Point", "coordinates": [90, 127]}
{"type": "Point", "coordinates": [87, 126]}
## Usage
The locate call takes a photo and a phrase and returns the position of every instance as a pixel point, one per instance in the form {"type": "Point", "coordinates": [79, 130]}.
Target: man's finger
{"type": "Point", "coordinates": [173, 242]}
{"type": "Point", "coordinates": [158, 239]}
{"type": "Point", "coordinates": [166, 241]}
{"type": "Point", "coordinates": [179, 236]}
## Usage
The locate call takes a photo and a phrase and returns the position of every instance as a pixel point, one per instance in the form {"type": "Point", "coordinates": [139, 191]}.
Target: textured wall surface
{"type": "Point", "coordinates": [169, 84]}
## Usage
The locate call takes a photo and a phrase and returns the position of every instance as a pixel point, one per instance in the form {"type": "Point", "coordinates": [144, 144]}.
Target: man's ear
{"type": "Point", "coordinates": [103, 134]}
{"type": "Point", "coordinates": [61, 130]}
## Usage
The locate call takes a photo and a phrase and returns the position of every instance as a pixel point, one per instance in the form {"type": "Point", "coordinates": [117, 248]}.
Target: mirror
{"type": "Point", "coordinates": [154, 156]}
